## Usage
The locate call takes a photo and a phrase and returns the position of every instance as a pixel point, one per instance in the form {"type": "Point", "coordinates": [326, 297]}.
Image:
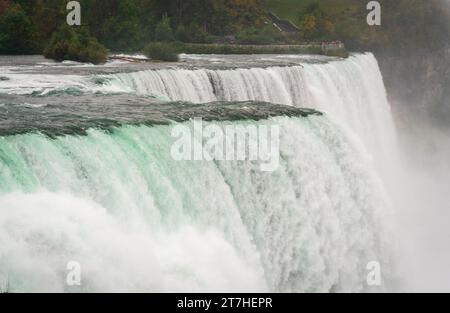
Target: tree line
{"type": "Point", "coordinates": [128, 25]}
{"type": "Point", "coordinates": [28, 26]}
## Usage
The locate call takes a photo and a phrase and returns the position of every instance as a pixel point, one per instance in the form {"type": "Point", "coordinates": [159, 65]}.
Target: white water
{"type": "Point", "coordinates": [350, 90]}
{"type": "Point", "coordinates": [138, 221]}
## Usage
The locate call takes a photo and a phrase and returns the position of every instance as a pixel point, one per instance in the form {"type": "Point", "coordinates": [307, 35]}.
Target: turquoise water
{"type": "Point", "coordinates": [88, 176]}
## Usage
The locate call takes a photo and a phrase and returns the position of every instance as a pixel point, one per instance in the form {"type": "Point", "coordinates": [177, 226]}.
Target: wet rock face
{"type": "Point", "coordinates": [418, 85]}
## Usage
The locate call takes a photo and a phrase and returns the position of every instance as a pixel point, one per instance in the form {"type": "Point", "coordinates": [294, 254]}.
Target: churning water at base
{"type": "Point", "coordinates": [115, 201]}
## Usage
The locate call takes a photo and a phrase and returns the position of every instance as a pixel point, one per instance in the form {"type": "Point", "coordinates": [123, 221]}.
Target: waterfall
{"type": "Point", "coordinates": [138, 220]}
{"type": "Point", "coordinates": [135, 219]}
{"type": "Point", "coordinates": [351, 90]}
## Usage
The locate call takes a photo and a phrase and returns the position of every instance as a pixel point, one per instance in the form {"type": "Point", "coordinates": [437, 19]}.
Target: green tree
{"type": "Point", "coordinates": [315, 22]}
{"type": "Point", "coordinates": [76, 44]}
{"type": "Point", "coordinates": [183, 34]}
{"type": "Point", "coordinates": [17, 34]}
{"type": "Point", "coordinates": [162, 51]}
{"type": "Point", "coordinates": [163, 30]}
{"type": "Point", "coordinates": [123, 30]}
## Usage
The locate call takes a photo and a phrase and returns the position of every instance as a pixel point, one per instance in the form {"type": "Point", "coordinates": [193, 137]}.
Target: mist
{"type": "Point", "coordinates": [423, 212]}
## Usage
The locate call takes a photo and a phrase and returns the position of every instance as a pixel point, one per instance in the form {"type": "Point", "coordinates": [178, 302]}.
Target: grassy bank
{"type": "Point", "coordinates": [246, 49]}
{"type": "Point", "coordinates": [167, 51]}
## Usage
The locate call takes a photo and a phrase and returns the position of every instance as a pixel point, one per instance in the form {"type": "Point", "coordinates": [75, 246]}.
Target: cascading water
{"type": "Point", "coordinates": [352, 91]}
{"type": "Point", "coordinates": [114, 200]}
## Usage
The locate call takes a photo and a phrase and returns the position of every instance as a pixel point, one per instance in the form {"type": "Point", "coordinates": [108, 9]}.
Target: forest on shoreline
{"type": "Point", "coordinates": [36, 27]}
